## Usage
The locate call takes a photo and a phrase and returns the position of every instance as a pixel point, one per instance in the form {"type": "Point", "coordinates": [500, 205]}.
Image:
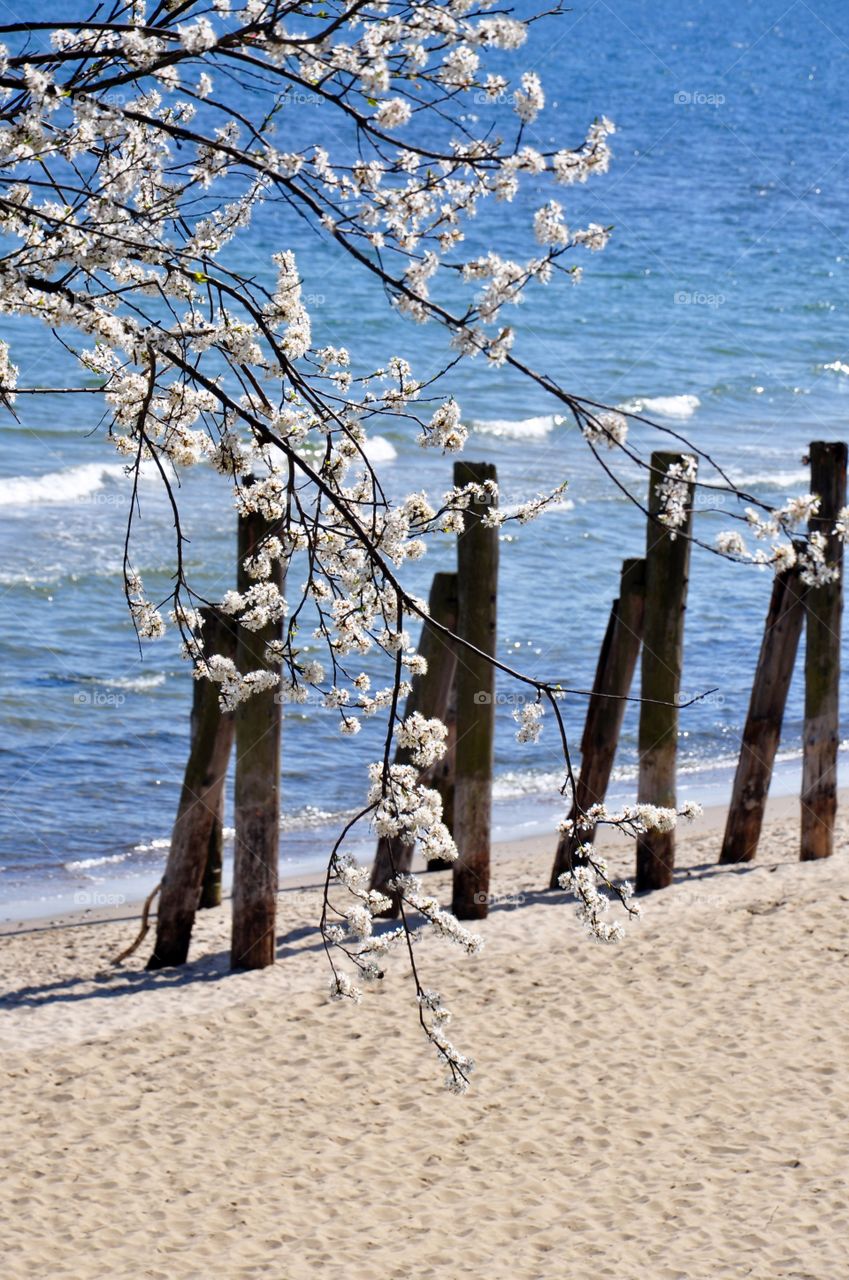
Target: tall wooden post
{"type": "Point", "coordinates": [824, 612]}
{"type": "Point", "coordinates": [762, 730]}
{"type": "Point", "coordinates": [430, 695]}
{"type": "Point", "coordinates": [198, 813]}
{"type": "Point", "coordinates": [257, 798]}
{"type": "Point", "coordinates": [667, 570]}
{"type": "Point", "coordinates": [477, 581]}
{"type": "Point", "coordinates": [606, 708]}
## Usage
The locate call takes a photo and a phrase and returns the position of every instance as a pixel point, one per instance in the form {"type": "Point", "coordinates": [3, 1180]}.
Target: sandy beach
{"type": "Point", "coordinates": [671, 1108]}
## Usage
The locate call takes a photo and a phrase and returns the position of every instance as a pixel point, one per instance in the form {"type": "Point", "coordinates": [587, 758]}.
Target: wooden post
{"type": "Point", "coordinates": [257, 793]}
{"type": "Point", "coordinates": [824, 612]}
{"type": "Point", "coordinates": [667, 570]}
{"type": "Point", "coordinates": [442, 777]}
{"type": "Point", "coordinates": [606, 708]}
{"type": "Point", "coordinates": [762, 730]}
{"type": "Point", "coordinates": [430, 695]}
{"type": "Point", "coordinates": [477, 581]}
{"type": "Point", "coordinates": [211, 889]}
{"type": "Point", "coordinates": [198, 813]}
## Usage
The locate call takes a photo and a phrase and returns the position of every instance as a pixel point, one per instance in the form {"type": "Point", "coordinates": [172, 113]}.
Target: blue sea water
{"type": "Point", "coordinates": [719, 305]}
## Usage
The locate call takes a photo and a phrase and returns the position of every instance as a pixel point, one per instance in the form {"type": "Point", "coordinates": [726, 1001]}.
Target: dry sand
{"type": "Point", "coordinates": [672, 1108]}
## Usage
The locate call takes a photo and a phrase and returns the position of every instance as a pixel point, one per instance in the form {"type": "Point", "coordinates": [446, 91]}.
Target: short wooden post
{"type": "Point", "coordinates": [442, 777]}
{"type": "Point", "coordinates": [667, 570]}
{"type": "Point", "coordinates": [257, 791]}
{"type": "Point", "coordinates": [430, 695]}
{"type": "Point", "coordinates": [211, 889]}
{"type": "Point", "coordinates": [606, 708]}
{"type": "Point", "coordinates": [198, 813]}
{"type": "Point", "coordinates": [824, 613]}
{"type": "Point", "coordinates": [762, 730]}
{"type": "Point", "coordinates": [477, 581]}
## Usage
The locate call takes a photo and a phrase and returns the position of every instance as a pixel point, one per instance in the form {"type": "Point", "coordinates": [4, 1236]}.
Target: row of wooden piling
{"type": "Point", "coordinates": [647, 623]}
{"type": "Point", "coordinates": [458, 642]}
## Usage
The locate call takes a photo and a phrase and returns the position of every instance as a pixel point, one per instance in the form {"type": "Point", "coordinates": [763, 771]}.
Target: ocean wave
{"type": "Point", "coordinates": [836, 366]}
{"type": "Point", "coordinates": [87, 864]}
{"type": "Point", "coordinates": [152, 846]}
{"type": "Point", "coordinates": [58, 486]}
{"type": "Point", "coordinates": [133, 684]}
{"type": "Point", "coordinates": [49, 577]}
{"type": "Point", "coordinates": [311, 816]}
{"type": "Point", "coordinates": [379, 449]}
{"type": "Point", "coordinates": [772, 479]}
{"type": "Point", "coordinates": [519, 783]}
{"type": "Point", "coordinates": [515, 783]}
{"type": "Point", "coordinates": [519, 429]}
{"type": "Point", "coordinates": [680, 407]}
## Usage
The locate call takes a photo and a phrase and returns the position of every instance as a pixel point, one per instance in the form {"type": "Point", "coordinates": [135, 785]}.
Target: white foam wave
{"type": "Point", "coordinates": [664, 406]}
{"type": "Point", "coordinates": [311, 816]}
{"type": "Point", "coordinates": [134, 684]}
{"type": "Point", "coordinates": [58, 486]}
{"type": "Point", "coordinates": [379, 449]}
{"type": "Point", "coordinates": [151, 847]}
{"type": "Point", "coordinates": [86, 864]}
{"type": "Point", "coordinates": [519, 429]}
{"type": "Point", "coordinates": [773, 479]}
{"type": "Point", "coordinates": [515, 783]}
{"type": "Point", "coordinates": [836, 366]}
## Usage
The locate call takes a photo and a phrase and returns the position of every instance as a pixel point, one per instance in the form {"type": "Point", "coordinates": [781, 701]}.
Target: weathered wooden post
{"type": "Point", "coordinates": [257, 792]}
{"type": "Point", "coordinates": [442, 776]}
{"type": "Point", "coordinates": [430, 695]}
{"type": "Point", "coordinates": [606, 708]}
{"type": "Point", "coordinates": [201, 799]}
{"type": "Point", "coordinates": [477, 582]}
{"type": "Point", "coordinates": [824, 613]}
{"type": "Point", "coordinates": [762, 730]}
{"type": "Point", "coordinates": [211, 889]}
{"type": "Point", "coordinates": [667, 570]}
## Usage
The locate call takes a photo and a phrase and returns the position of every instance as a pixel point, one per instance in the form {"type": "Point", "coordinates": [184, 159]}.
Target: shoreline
{"type": "Point", "coordinates": [538, 847]}
{"type": "Point", "coordinates": [117, 882]}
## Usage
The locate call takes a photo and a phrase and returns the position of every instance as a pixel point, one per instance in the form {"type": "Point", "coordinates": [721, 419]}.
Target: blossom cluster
{"type": "Point", "coordinates": [810, 554]}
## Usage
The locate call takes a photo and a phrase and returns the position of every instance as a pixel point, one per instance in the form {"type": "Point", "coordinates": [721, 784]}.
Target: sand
{"type": "Point", "coordinates": [672, 1108]}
